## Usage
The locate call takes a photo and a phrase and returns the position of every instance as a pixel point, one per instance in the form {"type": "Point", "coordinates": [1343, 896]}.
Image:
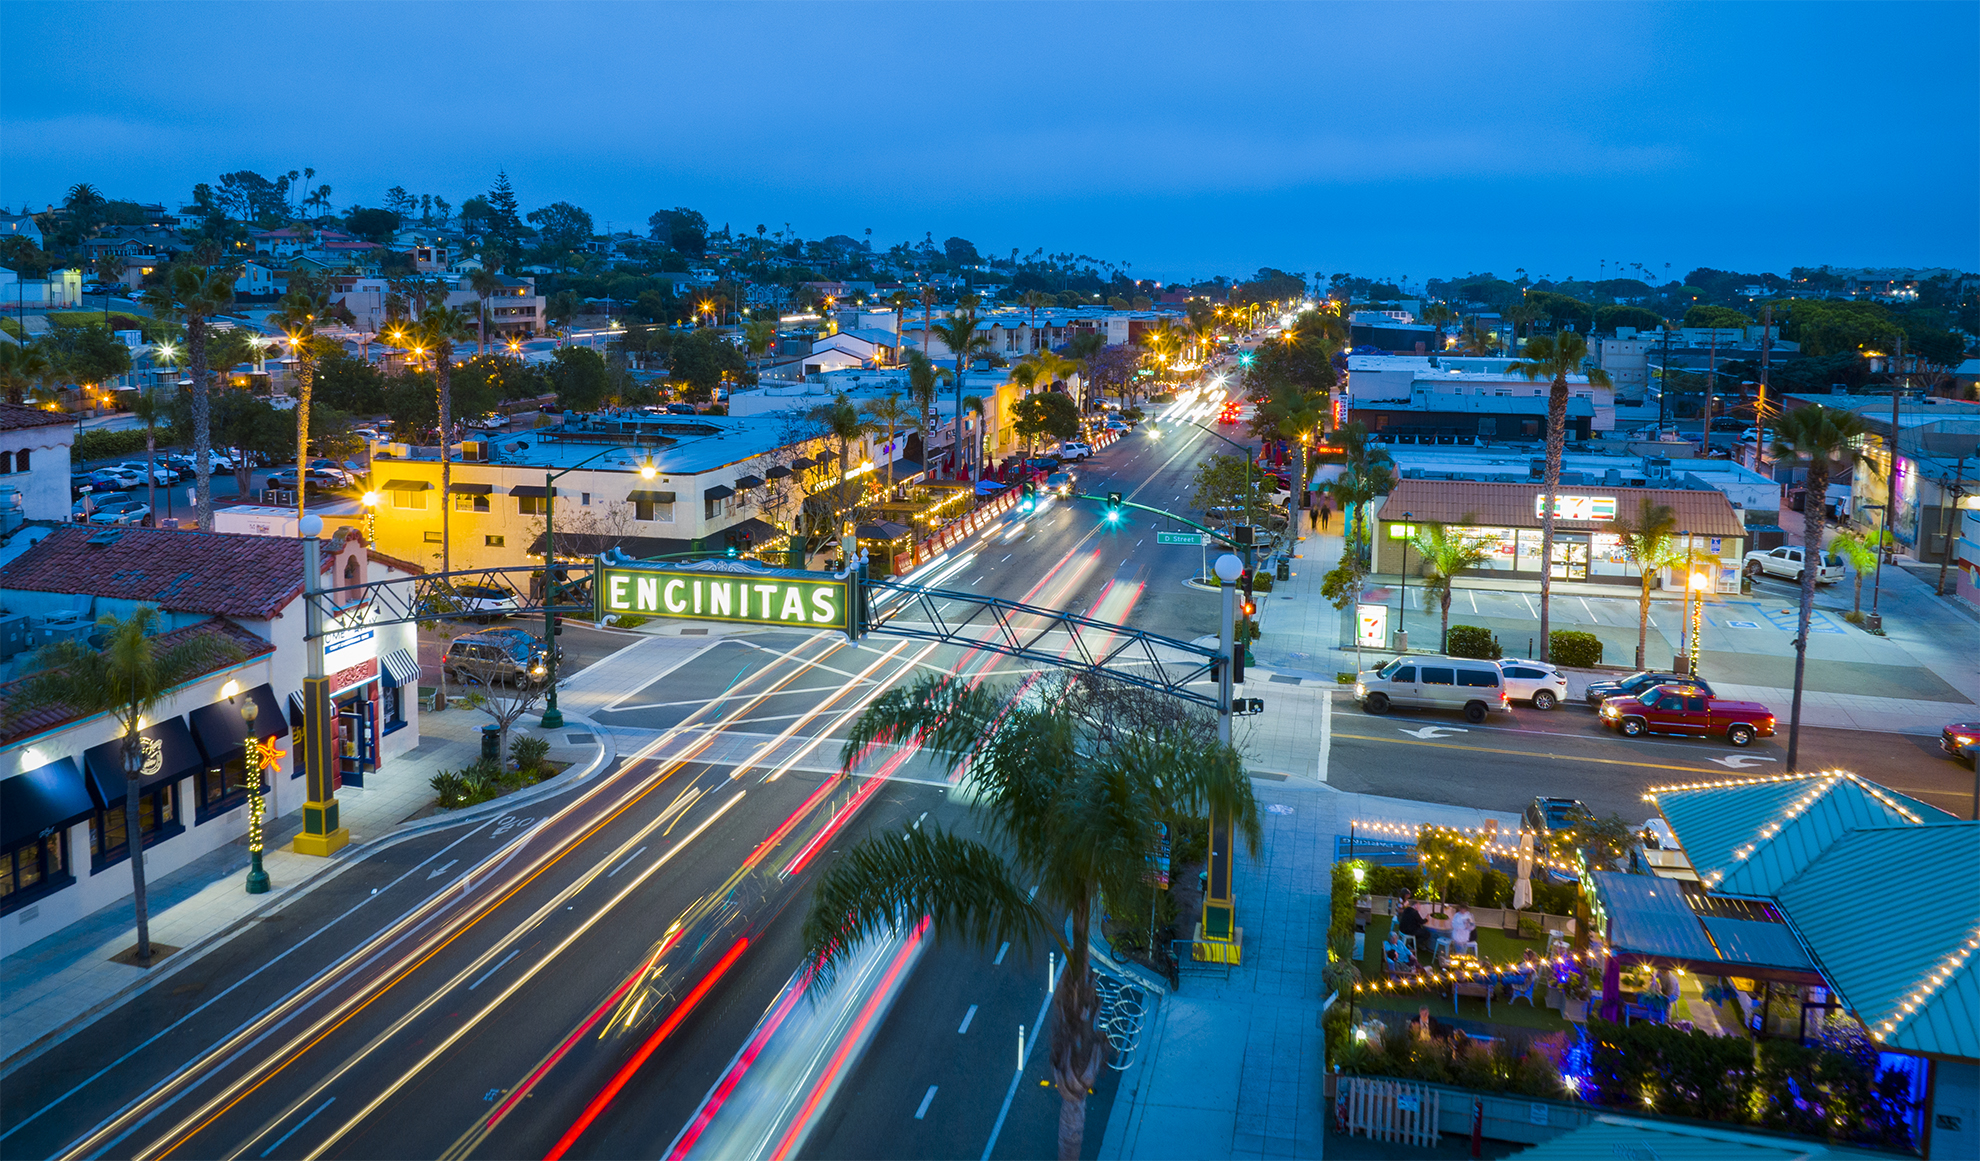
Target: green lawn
{"type": "Point", "coordinates": [1494, 947]}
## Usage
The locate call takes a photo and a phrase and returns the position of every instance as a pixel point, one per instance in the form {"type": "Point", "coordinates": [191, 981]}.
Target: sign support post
{"type": "Point", "coordinates": [323, 832]}
{"type": "Point", "coordinates": [1218, 937]}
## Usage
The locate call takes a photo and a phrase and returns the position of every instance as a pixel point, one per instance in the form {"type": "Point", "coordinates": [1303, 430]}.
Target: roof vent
{"type": "Point", "coordinates": [106, 537]}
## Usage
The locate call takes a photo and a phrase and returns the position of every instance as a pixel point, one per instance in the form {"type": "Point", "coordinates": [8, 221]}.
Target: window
{"type": "Point", "coordinates": [532, 505]}
{"type": "Point", "coordinates": [158, 818]}
{"type": "Point", "coordinates": [433, 538]}
{"type": "Point", "coordinates": [222, 788]}
{"type": "Point", "coordinates": [1695, 704]}
{"type": "Point", "coordinates": [491, 541]}
{"type": "Point", "coordinates": [407, 498]}
{"type": "Point", "coordinates": [1406, 673]}
{"type": "Point", "coordinates": [1479, 678]}
{"type": "Point", "coordinates": [1439, 675]}
{"type": "Point", "coordinates": [470, 502]}
{"type": "Point", "coordinates": [642, 509]}
{"type": "Point", "coordinates": [584, 497]}
{"type": "Point", "coordinates": [392, 708]}
{"type": "Point", "coordinates": [21, 460]}
{"type": "Point", "coordinates": [33, 869]}
{"type": "Point", "coordinates": [6, 463]}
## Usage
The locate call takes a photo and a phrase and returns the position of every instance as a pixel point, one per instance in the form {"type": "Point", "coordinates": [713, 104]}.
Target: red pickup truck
{"type": "Point", "coordinates": [1677, 709]}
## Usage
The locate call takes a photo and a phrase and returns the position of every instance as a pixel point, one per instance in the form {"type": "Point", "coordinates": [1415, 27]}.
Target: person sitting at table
{"type": "Point", "coordinates": [1464, 929]}
{"type": "Point", "coordinates": [1396, 954]}
{"type": "Point", "coordinates": [1408, 919]}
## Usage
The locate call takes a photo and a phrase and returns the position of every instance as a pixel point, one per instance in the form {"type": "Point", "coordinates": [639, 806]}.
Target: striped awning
{"type": "Point", "coordinates": [401, 667]}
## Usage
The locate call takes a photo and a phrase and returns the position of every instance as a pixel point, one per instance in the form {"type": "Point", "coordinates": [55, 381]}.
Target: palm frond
{"type": "Point", "coordinates": [888, 881]}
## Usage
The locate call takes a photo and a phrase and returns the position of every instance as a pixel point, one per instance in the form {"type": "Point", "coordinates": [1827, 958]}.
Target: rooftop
{"type": "Point", "coordinates": [14, 416]}
{"type": "Point", "coordinates": [1707, 513]}
{"type": "Point", "coordinates": [619, 441]}
{"type": "Point", "coordinates": [45, 718]}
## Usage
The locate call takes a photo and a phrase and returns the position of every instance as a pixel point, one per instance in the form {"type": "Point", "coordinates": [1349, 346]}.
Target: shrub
{"type": "Point", "coordinates": [1575, 648]}
{"type": "Point", "coordinates": [1529, 926]}
{"type": "Point", "coordinates": [1340, 922]}
{"type": "Point", "coordinates": [529, 753]}
{"type": "Point", "coordinates": [1555, 898]}
{"type": "Point", "coordinates": [1496, 890]}
{"type": "Point", "coordinates": [1261, 582]}
{"type": "Point", "coordinates": [105, 445]}
{"type": "Point", "coordinates": [1472, 641]}
{"type": "Point", "coordinates": [1394, 880]}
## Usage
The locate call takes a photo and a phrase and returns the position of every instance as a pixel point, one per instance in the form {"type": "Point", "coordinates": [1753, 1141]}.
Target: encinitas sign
{"type": "Point", "coordinates": [723, 591]}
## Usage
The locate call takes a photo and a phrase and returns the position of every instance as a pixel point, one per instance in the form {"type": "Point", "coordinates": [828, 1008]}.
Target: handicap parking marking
{"type": "Point", "coordinates": [1740, 624]}
{"type": "Point", "coordinates": [1786, 620]}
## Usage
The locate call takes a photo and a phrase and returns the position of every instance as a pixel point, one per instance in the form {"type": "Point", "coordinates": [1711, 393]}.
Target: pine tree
{"type": "Point", "coordinates": [507, 224]}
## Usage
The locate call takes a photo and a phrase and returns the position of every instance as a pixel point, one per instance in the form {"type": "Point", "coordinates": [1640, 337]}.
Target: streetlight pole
{"type": "Point", "coordinates": [1402, 600]}
{"type": "Point", "coordinates": [257, 878]}
{"type": "Point", "coordinates": [553, 717]}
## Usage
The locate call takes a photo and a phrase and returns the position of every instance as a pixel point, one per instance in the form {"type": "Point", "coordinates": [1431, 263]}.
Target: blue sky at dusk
{"type": "Point", "coordinates": [1390, 139]}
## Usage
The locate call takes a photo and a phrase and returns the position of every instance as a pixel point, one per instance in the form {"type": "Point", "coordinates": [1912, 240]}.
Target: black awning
{"type": "Point", "coordinates": [458, 488]}
{"type": "Point", "coordinates": [902, 469]}
{"type": "Point", "coordinates": [749, 481]}
{"type": "Point", "coordinates": [408, 486]}
{"type": "Point", "coordinates": [652, 497]}
{"type": "Point", "coordinates": [779, 472]}
{"type": "Point", "coordinates": [537, 490]}
{"type": "Point", "coordinates": [219, 730]}
{"type": "Point", "coordinates": [827, 456]}
{"type": "Point", "coordinates": [177, 758]}
{"type": "Point", "coordinates": [43, 799]}
{"type": "Point", "coordinates": [803, 463]}
{"type": "Point", "coordinates": [718, 492]}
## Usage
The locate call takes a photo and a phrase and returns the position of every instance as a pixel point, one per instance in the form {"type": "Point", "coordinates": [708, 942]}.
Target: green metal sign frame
{"type": "Point", "coordinates": [735, 591]}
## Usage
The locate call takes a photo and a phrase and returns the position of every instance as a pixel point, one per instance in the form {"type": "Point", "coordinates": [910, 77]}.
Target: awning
{"type": "Point", "coordinates": [718, 492]}
{"type": "Point", "coordinates": [883, 530]}
{"type": "Point", "coordinates": [219, 730]}
{"type": "Point", "coordinates": [803, 463]}
{"type": "Point", "coordinates": [458, 488]}
{"type": "Point", "coordinates": [537, 490]}
{"type": "Point", "coordinates": [652, 497]}
{"type": "Point", "coordinates": [43, 799]}
{"type": "Point", "coordinates": [176, 758]}
{"type": "Point", "coordinates": [401, 667]}
{"type": "Point", "coordinates": [904, 469]}
{"type": "Point", "coordinates": [828, 456]}
{"type": "Point", "coordinates": [749, 481]}
{"type": "Point", "coordinates": [779, 472]}
{"type": "Point", "coordinates": [408, 486]}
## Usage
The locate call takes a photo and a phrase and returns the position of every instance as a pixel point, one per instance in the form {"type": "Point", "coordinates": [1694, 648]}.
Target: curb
{"type": "Point", "coordinates": [337, 865]}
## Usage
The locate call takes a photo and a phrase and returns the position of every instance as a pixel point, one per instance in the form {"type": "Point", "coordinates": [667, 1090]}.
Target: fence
{"type": "Point", "coordinates": [1389, 1110]}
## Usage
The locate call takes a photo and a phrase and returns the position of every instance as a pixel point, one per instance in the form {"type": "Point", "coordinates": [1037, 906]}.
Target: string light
{"type": "Point", "coordinates": [1823, 782]}
{"type": "Point", "coordinates": [1486, 846]}
{"type": "Point", "coordinates": [1936, 978]}
{"type": "Point", "coordinates": [1483, 970]}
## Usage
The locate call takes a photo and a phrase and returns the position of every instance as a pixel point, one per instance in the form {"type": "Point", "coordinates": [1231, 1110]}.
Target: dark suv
{"type": "Point", "coordinates": [1635, 683]}
{"type": "Point", "coordinates": [489, 658]}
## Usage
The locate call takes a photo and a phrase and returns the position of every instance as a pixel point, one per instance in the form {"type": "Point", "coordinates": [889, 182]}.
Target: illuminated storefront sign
{"type": "Point", "coordinates": [724, 592]}
{"type": "Point", "coordinates": [1576, 507]}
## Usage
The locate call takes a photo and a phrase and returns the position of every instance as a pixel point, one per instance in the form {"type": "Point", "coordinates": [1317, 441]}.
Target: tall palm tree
{"type": "Point", "coordinates": [436, 332]}
{"type": "Point", "coordinates": [927, 306]}
{"type": "Point", "coordinates": [1649, 540]}
{"type": "Point", "coordinates": [959, 334]}
{"type": "Point", "coordinates": [1446, 553]}
{"type": "Point", "coordinates": [296, 317]}
{"type": "Point", "coordinates": [1071, 812]}
{"type": "Point", "coordinates": [1554, 358]}
{"type": "Point", "coordinates": [924, 377]}
{"type": "Point", "coordinates": [1033, 299]}
{"type": "Point", "coordinates": [190, 295]}
{"type": "Point", "coordinates": [1825, 440]}
{"type": "Point", "coordinates": [843, 422]}
{"type": "Point", "coordinates": [151, 411]}
{"type": "Point", "coordinates": [484, 281]}
{"type": "Point", "coordinates": [1367, 475]}
{"type": "Point", "coordinates": [126, 681]}
{"type": "Point", "coordinates": [22, 366]}
{"type": "Point", "coordinates": [900, 300]}
{"type": "Point", "coordinates": [893, 414]}
{"type": "Point", "coordinates": [758, 335]}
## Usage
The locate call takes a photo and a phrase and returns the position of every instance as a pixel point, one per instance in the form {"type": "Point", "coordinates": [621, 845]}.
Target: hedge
{"type": "Point", "coordinates": [1472, 641]}
{"type": "Point", "coordinates": [105, 445]}
{"type": "Point", "coordinates": [1573, 647]}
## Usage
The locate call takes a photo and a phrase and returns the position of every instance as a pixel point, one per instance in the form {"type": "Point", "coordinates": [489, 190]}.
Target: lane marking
{"type": "Point", "coordinates": [999, 961]}
{"type": "Point", "coordinates": [1531, 754]}
{"type": "Point", "coordinates": [967, 1017]}
{"type": "Point", "coordinates": [925, 1099]}
{"type": "Point", "coordinates": [630, 858]}
{"type": "Point", "coordinates": [299, 1124]}
{"type": "Point", "coordinates": [513, 953]}
{"type": "Point", "coordinates": [441, 869]}
{"type": "Point", "coordinates": [1030, 1047]}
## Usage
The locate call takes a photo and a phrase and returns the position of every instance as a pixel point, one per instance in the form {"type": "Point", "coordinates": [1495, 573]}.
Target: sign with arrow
{"type": "Point", "coordinates": [1433, 731]}
{"type": "Point", "coordinates": [1739, 761]}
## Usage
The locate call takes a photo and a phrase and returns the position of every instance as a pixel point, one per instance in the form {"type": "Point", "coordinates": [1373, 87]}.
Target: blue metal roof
{"type": "Point", "coordinates": [1884, 965]}
{"type": "Point", "coordinates": [1749, 836]}
{"type": "Point", "coordinates": [1648, 916]}
{"type": "Point", "coordinates": [1750, 941]}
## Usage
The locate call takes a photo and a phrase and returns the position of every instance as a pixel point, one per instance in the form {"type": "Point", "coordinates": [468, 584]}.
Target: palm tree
{"type": "Point", "coordinates": [1368, 474]}
{"type": "Point", "coordinates": [959, 333]}
{"type": "Point", "coordinates": [126, 681]}
{"type": "Point", "coordinates": [900, 300]}
{"type": "Point", "coordinates": [1554, 357]}
{"type": "Point", "coordinates": [1072, 812]}
{"type": "Point", "coordinates": [1447, 553]}
{"type": "Point", "coordinates": [927, 305]}
{"type": "Point", "coordinates": [1856, 548]}
{"type": "Point", "coordinates": [1650, 542]}
{"type": "Point", "coordinates": [190, 295]}
{"type": "Point", "coordinates": [1474, 339]}
{"type": "Point", "coordinates": [484, 282]}
{"type": "Point", "coordinates": [438, 328]}
{"type": "Point", "coordinates": [894, 414]}
{"type": "Point", "coordinates": [842, 422]}
{"type": "Point", "coordinates": [109, 271]}
{"type": "Point", "coordinates": [23, 366]}
{"type": "Point", "coordinates": [1033, 299]}
{"type": "Point", "coordinates": [757, 336]}
{"type": "Point", "coordinates": [296, 317]}
{"type": "Point", "coordinates": [924, 377]}
{"type": "Point", "coordinates": [151, 411]}
{"type": "Point", "coordinates": [1825, 439]}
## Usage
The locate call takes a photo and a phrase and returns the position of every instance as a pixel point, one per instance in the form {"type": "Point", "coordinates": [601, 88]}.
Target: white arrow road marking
{"type": "Point", "coordinates": [1739, 761]}
{"type": "Point", "coordinates": [442, 869]}
{"type": "Point", "coordinates": [1433, 731]}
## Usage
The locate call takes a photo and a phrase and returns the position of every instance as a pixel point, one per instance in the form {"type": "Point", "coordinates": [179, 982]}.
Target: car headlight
{"type": "Point", "coordinates": [1360, 690]}
{"type": "Point", "coordinates": [1609, 711]}
{"type": "Point", "coordinates": [1962, 739]}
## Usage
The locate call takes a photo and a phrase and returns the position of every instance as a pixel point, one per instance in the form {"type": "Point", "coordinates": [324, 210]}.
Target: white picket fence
{"type": "Point", "coordinates": [1389, 1110]}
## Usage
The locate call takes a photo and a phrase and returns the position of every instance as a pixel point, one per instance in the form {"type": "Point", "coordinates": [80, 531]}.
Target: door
{"type": "Point", "coordinates": [1570, 558]}
{"type": "Point", "coordinates": [1437, 687]}
{"type": "Point", "coordinates": [1402, 686]}
{"type": "Point", "coordinates": [357, 741]}
{"type": "Point", "coordinates": [1666, 712]}
{"type": "Point", "coordinates": [1697, 718]}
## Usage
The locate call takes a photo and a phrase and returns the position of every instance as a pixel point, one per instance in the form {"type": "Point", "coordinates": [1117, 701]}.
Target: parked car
{"type": "Point", "coordinates": [1534, 681]}
{"type": "Point", "coordinates": [92, 501]}
{"type": "Point", "coordinates": [1753, 433]}
{"type": "Point", "coordinates": [493, 421]}
{"type": "Point", "coordinates": [124, 512]}
{"type": "Point", "coordinates": [680, 409]}
{"type": "Point", "coordinates": [1114, 424]}
{"type": "Point", "coordinates": [1785, 562]}
{"type": "Point", "coordinates": [318, 478]}
{"type": "Point", "coordinates": [332, 470]}
{"type": "Point", "coordinates": [523, 635]}
{"type": "Point", "coordinates": [119, 475]}
{"type": "Point", "coordinates": [1689, 711]}
{"type": "Point", "coordinates": [80, 483]}
{"type": "Point", "coordinates": [369, 433]}
{"type": "Point", "coordinates": [1961, 740]}
{"type": "Point", "coordinates": [1044, 463]}
{"type": "Point", "coordinates": [1448, 683]}
{"type": "Point", "coordinates": [1074, 450]}
{"type": "Point", "coordinates": [158, 475]}
{"type": "Point", "coordinates": [491, 658]}
{"type": "Point", "coordinates": [487, 601]}
{"type": "Point", "coordinates": [1638, 682]}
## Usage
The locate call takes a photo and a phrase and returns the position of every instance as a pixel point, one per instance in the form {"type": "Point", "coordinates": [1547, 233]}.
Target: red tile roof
{"type": "Point", "coordinates": [13, 416]}
{"type": "Point", "coordinates": [185, 572]}
{"type": "Point", "coordinates": [44, 718]}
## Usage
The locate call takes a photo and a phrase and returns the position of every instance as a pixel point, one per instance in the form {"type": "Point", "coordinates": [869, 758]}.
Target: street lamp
{"type": "Point", "coordinates": [553, 718]}
{"type": "Point", "coordinates": [1402, 600]}
{"type": "Point", "coordinates": [257, 878]}
{"type": "Point", "coordinates": [370, 500]}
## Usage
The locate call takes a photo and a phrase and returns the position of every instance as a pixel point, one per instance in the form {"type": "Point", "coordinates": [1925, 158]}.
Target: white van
{"type": "Point", "coordinates": [1447, 683]}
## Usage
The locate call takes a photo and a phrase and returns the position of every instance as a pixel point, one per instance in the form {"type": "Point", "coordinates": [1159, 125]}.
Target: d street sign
{"type": "Point", "coordinates": [724, 590]}
{"type": "Point", "coordinates": [1193, 539]}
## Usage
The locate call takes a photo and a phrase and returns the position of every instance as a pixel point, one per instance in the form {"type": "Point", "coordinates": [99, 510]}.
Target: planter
{"type": "Point", "coordinates": [1575, 1010]}
{"type": "Point", "coordinates": [1555, 998]}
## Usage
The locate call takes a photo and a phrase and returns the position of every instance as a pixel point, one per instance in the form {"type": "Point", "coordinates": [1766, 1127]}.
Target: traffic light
{"type": "Point", "coordinates": [1028, 498]}
{"type": "Point", "coordinates": [1113, 506]}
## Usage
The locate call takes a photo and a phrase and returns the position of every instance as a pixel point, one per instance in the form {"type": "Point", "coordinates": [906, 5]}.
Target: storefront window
{"type": "Point", "coordinates": [1606, 556]}
{"type": "Point", "coordinates": [224, 787]}
{"type": "Point", "coordinates": [1500, 543]}
{"type": "Point", "coordinates": [34, 869]}
{"type": "Point", "coordinates": [391, 708]}
{"type": "Point", "coordinates": [1529, 550]}
{"type": "Point", "coordinates": [158, 818]}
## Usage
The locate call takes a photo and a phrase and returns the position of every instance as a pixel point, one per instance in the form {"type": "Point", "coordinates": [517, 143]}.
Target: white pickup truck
{"type": "Point", "coordinates": [1785, 562]}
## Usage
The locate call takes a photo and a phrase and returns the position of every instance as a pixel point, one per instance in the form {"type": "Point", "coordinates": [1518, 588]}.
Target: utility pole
{"type": "Point", "coordinates": [1760, 407]}
{"type": "Point", "coordinates": [1890, 471]}
{"type": "Point", "coordinates": [1711, 386]}
{"type": "Point", "coordinates": [1950, 530]}
{"type": "Point", "coordinates": [1664, 382]}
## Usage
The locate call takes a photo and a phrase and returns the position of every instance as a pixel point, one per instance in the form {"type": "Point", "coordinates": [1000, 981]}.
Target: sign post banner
{"type": "Point", "coordinates": [1371, 626]}
{"type": "Point", "coordinates": [736, 591]}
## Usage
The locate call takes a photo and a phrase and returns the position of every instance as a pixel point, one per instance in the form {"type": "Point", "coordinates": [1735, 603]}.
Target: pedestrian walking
{"type": "Point", "coordinates": [1326, 515]}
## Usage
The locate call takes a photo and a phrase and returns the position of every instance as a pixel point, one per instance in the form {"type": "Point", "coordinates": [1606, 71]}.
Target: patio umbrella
{"type": "Point", "coordinates": [1523, 887]}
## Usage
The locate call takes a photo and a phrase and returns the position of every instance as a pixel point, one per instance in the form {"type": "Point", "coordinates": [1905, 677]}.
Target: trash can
{"type": "Point", "coordinates": [1284, 572]}
{"type": "Point", "coordinates": [491, 743]}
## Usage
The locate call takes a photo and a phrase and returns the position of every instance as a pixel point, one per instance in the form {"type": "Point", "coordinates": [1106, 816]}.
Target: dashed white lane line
{"type": "Point", "coordinates": [925, 1099]}
{"type": "Point", "coordinates": [999, 961]}
{"type": "Point", "coordinates": [967, 1017]}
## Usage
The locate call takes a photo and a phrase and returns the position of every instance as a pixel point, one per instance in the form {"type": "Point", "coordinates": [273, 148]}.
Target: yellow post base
{"type": "Point", "coordinates": [322, 845]}
{"type": "Point", "coordinates": [1227, 951]}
